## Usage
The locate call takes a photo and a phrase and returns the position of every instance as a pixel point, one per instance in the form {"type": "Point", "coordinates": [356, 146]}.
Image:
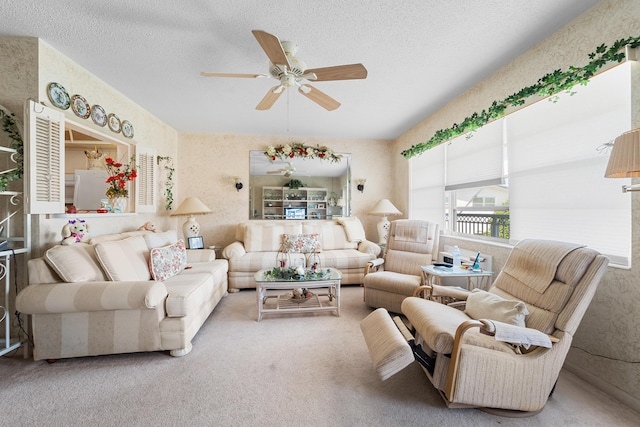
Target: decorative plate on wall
{"type": "Point", "coordinates": [114, 123]}
{"type": "Point", "coordinates": [80, 106]}
{"type": "Point", "coordinates": [58, 95]}
{"type": "Point", "coordinates": [98, 115]}
{"type": "Point", "coordinates": [127, 129]}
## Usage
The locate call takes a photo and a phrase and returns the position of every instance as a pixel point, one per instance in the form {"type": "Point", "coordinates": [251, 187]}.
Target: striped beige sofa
{"type": "Point", "coordinates": [343, 245]}
{"type": "Point", "coordinates": [100, 298]}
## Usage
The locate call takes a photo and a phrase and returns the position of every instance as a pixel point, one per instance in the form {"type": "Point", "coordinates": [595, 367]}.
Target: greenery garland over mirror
{"type": "Point", "coordinates": [549, 85]}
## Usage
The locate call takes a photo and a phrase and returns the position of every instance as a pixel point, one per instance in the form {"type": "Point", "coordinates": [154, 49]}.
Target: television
{"type": "Point", "coordinates": [295, 213]}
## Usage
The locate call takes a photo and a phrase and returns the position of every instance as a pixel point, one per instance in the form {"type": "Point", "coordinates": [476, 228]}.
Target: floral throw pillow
{"type": "Point", "coordinates": [167, 261]}
{"type": "Point", "coordinates": [300, 243]}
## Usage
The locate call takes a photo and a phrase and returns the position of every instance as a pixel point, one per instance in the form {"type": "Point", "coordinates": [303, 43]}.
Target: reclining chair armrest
{"type": "Point", "coordinates": [373, 266]}
{"type": "Point", "coordinates": [485, 326]}
{"type": "Point", "coordinates": [455, 296]}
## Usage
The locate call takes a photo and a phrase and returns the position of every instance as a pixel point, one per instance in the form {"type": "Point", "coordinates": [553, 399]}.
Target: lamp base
{"type": "Point", "coordinates": [191, 228]}
{"type": "Point", "coordinates": [383, 230]}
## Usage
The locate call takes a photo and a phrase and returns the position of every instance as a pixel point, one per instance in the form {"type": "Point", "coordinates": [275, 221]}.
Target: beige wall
{"type": "Point", "coordinates": [209, 162]}
{"type": "Point", "coordinates": [608, 339]}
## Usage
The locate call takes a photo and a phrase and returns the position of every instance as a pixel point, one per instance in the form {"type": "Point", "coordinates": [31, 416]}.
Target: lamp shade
{"type": "Point", "coordinates": [624, 161]}
{"type": "Point", "coordinates": [191, 206]}
{"type": "Point", "coordinates": [383, 208]}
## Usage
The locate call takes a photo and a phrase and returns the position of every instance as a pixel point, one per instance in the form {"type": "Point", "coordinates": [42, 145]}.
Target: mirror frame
{"type": "Point", "coordinates": [337, 186]}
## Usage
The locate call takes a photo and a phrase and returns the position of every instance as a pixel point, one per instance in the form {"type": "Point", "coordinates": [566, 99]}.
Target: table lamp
{"type": "Point", "coordinates": [191, 206]}
{"type": "Point", "coordinates": [384, 208]}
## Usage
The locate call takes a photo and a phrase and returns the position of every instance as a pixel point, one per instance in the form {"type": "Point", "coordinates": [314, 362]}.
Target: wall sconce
{"type": "Point", "coordinates": [360, 185]}
{"type": "Point", "coordinates": [238, 183]}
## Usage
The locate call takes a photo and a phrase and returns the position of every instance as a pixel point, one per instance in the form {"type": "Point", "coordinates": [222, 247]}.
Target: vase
{"type": "Point", "coordinates": [118, 204]}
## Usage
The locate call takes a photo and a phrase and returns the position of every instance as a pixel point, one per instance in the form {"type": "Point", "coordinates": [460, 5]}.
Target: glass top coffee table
{"type": "Point", "coordinates": [274, 292]}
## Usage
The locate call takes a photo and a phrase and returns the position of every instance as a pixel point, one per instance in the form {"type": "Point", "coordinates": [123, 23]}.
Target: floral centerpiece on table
{"type": "Point", "coordinates": [119, 175]}
{"type": "Point", "coordinates": [298, 149]}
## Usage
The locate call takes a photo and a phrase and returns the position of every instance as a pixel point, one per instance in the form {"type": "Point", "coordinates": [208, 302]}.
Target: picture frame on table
{"type": "Point", "coordinates": [196, 242]}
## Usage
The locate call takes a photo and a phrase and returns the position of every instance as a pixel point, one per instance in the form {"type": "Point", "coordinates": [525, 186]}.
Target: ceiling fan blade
{"type": "Point", "coordinates": [272, 47]}
{"type": "Point", "coordinates": [270, 98]}
{"type": "Point", "coordinates": [243, 76]}
{"type": "Point", "coordinates": [275, 172]}
{"type": "Point", "coordinates": [319, 97]}
{"type": "Point", "coordinates": [339, 72]}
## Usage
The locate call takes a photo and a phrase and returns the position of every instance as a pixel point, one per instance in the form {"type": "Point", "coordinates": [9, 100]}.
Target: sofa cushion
{"type": "Point", "coordinates": [158, 240]}
{"type": "Point", "coordinates": [167, 261]}
{"type": "Point", "coordinates": [300, 243]}
{"type": "Point", "coordinates": [485, 305]}
{"type": "Point", "coordinates": [75, 263]}
{"type": "Point", "coordinates": [332, 234]}
{"type": "Point", "coordinates": [353, 228]}
{"type": "Point", "coordinates": [260, 237]}
{"type": "Point", "coordinates": [124, 259]}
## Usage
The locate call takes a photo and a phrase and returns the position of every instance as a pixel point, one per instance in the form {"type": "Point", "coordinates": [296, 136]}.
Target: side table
{"type": "Point", "coordinates": [475, 279]}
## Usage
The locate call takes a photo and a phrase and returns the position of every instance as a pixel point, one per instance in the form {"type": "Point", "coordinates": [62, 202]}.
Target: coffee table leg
{"type": "Point", "coordinates": [259, 292]}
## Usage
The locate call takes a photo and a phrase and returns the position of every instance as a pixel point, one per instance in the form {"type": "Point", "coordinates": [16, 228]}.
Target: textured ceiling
{"type": "Point", "coordinates": [419, 54]}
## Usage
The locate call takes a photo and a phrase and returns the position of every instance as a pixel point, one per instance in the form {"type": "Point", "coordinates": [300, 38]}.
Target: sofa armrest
{"type": "Point", "coordinates": [200, 255]}
{"type": "Point", "coordinates": [65, 297]}
{"type": "Point", "coordinates": [369, 247]}
{"type": "Point", "coordinates": [235, 249]}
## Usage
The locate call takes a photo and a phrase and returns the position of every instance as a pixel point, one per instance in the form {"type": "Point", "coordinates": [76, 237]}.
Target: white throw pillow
{"type": "Point", "coordinates": [124, 260]}
{"type": "Point", "coordinates": [353, 228]}
{"type": "Point", "coordinates": [158, 240]}
{"type": "Point", "coordinates": [485, 305]}
{"type": "Point", "coordinates": [75, 263]}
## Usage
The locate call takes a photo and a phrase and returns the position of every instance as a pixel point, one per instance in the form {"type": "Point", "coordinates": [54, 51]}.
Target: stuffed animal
{"type": "Point", "coordinates": [75, 231]}
{"type": "Point", "coordinates": [149, 226]}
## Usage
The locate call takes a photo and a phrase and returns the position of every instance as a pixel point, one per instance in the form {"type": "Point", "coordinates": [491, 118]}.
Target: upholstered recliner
{"type": "Point", "coordinates": [480, 357]}
{"type": "Point", "coordinates": [389, 280]}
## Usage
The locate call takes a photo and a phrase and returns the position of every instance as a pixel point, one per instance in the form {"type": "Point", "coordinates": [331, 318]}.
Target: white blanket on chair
{"type": "Point", "coordinates": [516, 335]}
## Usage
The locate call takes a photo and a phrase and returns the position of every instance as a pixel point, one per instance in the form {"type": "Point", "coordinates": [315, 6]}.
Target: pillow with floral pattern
{"type": "Point", "coordinates": [301, 243]}
{"type": "Point", "coordinates": [167, 261]}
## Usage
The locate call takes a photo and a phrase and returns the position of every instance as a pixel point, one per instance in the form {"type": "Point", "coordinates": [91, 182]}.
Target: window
{"type": "Point", "coordinates": [537, 173]}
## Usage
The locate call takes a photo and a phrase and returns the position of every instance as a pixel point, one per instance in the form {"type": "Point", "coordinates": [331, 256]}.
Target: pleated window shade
{"type": "Point", "coordinates": [557, 187]}
{"type": "Point", "coordinates": [427, 186]}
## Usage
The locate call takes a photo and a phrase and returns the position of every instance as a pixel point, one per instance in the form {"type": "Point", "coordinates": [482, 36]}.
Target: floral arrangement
{"type": "Point", "coordinates": [298, 149]}
{"type": "Point", "coordinates": [295, 273]}
{"type": "Point", "coordinates": [119, 175]}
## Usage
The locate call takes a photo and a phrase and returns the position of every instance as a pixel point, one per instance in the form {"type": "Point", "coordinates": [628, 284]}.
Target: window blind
{"type": "Point", "coordinates": [427, 186]}
{"type": "Point", "coordinates": [556, 174]}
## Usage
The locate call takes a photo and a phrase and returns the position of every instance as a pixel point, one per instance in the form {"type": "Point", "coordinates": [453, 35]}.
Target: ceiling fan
{"type": "Point", "coordinates": [291, 71]}
{"type": "Point", "coordinates": [285, 171]}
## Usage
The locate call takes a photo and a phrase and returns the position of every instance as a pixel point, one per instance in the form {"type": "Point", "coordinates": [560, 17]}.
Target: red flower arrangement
{"type": "Point", "coordinates": [119, 175]}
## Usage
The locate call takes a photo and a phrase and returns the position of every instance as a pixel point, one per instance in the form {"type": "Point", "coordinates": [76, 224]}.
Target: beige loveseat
{"type": "Point", "coordinates": [343, 245]}
{"type": "Point", "coordinates": [101, 298]}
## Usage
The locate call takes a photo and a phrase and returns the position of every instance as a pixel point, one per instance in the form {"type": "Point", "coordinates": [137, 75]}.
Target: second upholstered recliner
{"type": "Point", "coordinates": [389, 280]}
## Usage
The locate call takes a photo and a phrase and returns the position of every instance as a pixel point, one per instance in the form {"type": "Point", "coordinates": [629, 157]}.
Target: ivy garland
{"type": "Point", "coordinates": [168, 190]}
{"type": "Point", "coordinates": [549, 85]}
{"type": "Point", "coordinates": [10, 127]}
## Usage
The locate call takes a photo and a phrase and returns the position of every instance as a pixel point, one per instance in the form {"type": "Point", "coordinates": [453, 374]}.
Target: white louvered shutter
{"type": "Point", "coordinates": [44, 176]}
{"type": "Point", "coordinates": [146, 181]}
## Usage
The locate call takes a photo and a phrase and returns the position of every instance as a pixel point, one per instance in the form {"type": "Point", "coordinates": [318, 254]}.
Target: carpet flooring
{"type": "Point", "coordinates": [287, 370]}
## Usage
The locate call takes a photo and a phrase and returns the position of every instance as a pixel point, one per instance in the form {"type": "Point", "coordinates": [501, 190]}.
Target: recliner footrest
{"type": "Point", "coordinates": [389, 350]}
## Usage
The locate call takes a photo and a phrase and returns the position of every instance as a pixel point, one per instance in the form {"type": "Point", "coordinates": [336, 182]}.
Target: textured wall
{"type": "Point", "coordinates": [209, 162]}
{"type": "Point", "coordinates": [608, 340]}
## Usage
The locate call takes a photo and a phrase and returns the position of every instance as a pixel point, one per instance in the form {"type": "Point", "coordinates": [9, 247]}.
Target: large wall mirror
{"type": "Point", "coordinates": [298, 188]}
